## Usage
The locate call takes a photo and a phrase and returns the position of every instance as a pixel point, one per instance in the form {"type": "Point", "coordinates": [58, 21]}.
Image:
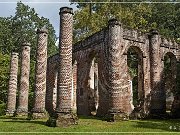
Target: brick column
{"type": "Point", "coordinates": [64, 106]}
{"type": "Point", "coordinates": [157, 94]}
{"type": "Point", "coordinates": [113, 74]}
{"type": "Point", "coordinates": [118, 85]}
{"type": "Point", "coordinates": [22, 108]}
{"type": "Point", "coordinates": [11, 101]}
{"type": "Point", "coordinates": [40, 74]}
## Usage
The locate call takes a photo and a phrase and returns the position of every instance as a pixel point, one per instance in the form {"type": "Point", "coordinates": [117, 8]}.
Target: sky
{"type": "Point", "coordinates": [46, 8]}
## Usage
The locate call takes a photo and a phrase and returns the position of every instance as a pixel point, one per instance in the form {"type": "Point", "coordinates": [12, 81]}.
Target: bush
{"type": "Point", "coordinates": [2, 109]}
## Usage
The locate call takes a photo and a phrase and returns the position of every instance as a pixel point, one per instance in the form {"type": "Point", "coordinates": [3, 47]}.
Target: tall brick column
{"type": "Point", "coordinates": [22, 108]}
{"type": "Point", "coordinates": [157, 94]}
{"type": "Point", "coordinates": [11, 101]}
{"type": "Point", "coordinates": [40, 74]}
{"type": "Point", "coordinates": [113, 60]}
{"type": "Point", "coordinates": [118, 85]}
{"type": "Point", "coordinates": [64, 108]}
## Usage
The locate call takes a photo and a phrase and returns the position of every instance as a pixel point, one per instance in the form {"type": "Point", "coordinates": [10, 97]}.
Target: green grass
{"type": "Point", "coordinates": [89, 124]}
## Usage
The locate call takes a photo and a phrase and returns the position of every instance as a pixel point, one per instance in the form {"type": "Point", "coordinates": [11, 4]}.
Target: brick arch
{"type": "Point", "coordinates": [140, 75]}
{"type": "Point", "coordinates": [84, 61]}
{"type": "Point", "coordinates": [138, 48]}
{"type": "Point", "coordinates": [169, 80]}
{"type": "Point", "coordinates": [93, 59]}
{"type": "Point", "coordinates": [169, 53]}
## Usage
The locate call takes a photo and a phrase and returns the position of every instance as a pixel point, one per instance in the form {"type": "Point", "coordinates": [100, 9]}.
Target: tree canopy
{"type": "Point", "coordinates": [15, 30]}
{"type": "Point", "coordinates": [22, 27]}
{"type": "Point", "coordinates": [142, 15]}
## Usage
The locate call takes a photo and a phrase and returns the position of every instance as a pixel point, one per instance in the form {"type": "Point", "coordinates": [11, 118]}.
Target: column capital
{"type": "Point", "coordinates": [153, 32]}
{"type": "Point", "coordinates": [26, 44]}
{"type": "Point", "coordinates": [66, 10]}
{"type": "Point", "coordinates": [42, 30]}
{"type": "Point", "coordinates": [113, 22]}
{"type": "Point", "coordinates": [14, 53]}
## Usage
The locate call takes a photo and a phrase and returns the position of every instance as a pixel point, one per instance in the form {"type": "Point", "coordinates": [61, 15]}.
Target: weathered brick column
{"type": "Point", "coordinates": [113, 73]}
{"type": "Point", "coordinates": [118, 85]}
{"type": "Point", "coordinates": [40, 74]}
{"type": "Point", "coordinates": [22, 108]}
{"type": "Point", "coordinates": [157, 94]}
{"type": "Point", "coordinates": [11, 101]}
{"type": "Point", "coordinates": [64, 108]}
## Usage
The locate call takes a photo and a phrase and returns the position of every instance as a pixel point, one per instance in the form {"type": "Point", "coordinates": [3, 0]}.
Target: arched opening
{"type": "Point", "coordinates": [87, 85]}
{"type": "Point", "coordinates": [169, 80]}
{"type": "Point", "coordinates": [136, 77]}
{"type": "Point", "coordinates": [74, 87]}
{"type": "Point", "coordinates": [135, 90]}
{"type": "Point", "coordinates": [93, 94]}
{"type": "Point", "coordinates": [51, 87]}
{"type": "Point", "coordinates": [55, 89]}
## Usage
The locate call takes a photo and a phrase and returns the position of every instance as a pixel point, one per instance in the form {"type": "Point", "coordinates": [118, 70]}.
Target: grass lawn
{"type": "Point", "coordinates": [90, 125]}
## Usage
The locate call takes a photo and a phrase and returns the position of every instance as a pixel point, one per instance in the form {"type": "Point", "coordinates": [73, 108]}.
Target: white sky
{"type": "Point", "coordinates": [46, 8]}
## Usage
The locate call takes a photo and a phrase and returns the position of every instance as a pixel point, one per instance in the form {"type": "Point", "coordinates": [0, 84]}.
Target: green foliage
{"type": "Point", "coordinates": [2, 109]}
{"type": "Point", "coordinates": [24, 25]}
{"type": "Point", "coordinates": [4, 76]}
{"type": "Point", "coordinates": [178, 79]}
{"type": "Point", "coordinates": [135, 91]}
{"type": "Point", "coordinates": [132, 62]}
{"type": "Point", "coordinates": [14, 31]}
{"type": "Point", "coordinates": [92, 17]}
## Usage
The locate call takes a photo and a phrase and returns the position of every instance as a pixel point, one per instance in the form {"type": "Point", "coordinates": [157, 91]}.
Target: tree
{"type": "Point", "coordinates": [14, 31]}
{"type": "Point", "coordinates": [5, 35]}
{"type": "Point", "coordinates": [91, 17]}
{"type": "Point", "coordinates": [143, 16]}
{"type": "Point", "coordinates": [24, 25]}
{"type": "Point", "coordinates": [4, 76]}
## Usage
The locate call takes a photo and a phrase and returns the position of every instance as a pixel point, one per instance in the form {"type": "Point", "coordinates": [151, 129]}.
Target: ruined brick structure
{"type": "Point", "coordinates": [92, 76]}
{"type": "Point", "coordinates": [107, 86]}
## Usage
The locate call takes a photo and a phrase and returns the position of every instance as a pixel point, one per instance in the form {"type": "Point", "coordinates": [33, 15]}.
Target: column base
{"type": "Point", "coordinates": [63, 120]}
{"type": "Point", "coordinates": [112, 117]}
{"type": "Point", "coordinates": [22, 114]}
{"type": "Point", "coordinates": [40, 115]}
{"type": "Point", "coordinates": [10, 113]}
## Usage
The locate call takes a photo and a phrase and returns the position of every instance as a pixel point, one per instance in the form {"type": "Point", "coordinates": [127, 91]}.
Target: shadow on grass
{"type": "Point", "coordinates": [166, 125]}
{"type": "Point", "coordinates": [21, 120]}
{"type": "Point", "coordinates": [13, 118]}
{"type": "Point", "coordinates": [91, 117]}
{"type": "Point", "coordinates": [27, 121]}
{"type": "Point", "coordinates": [6, 117]}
